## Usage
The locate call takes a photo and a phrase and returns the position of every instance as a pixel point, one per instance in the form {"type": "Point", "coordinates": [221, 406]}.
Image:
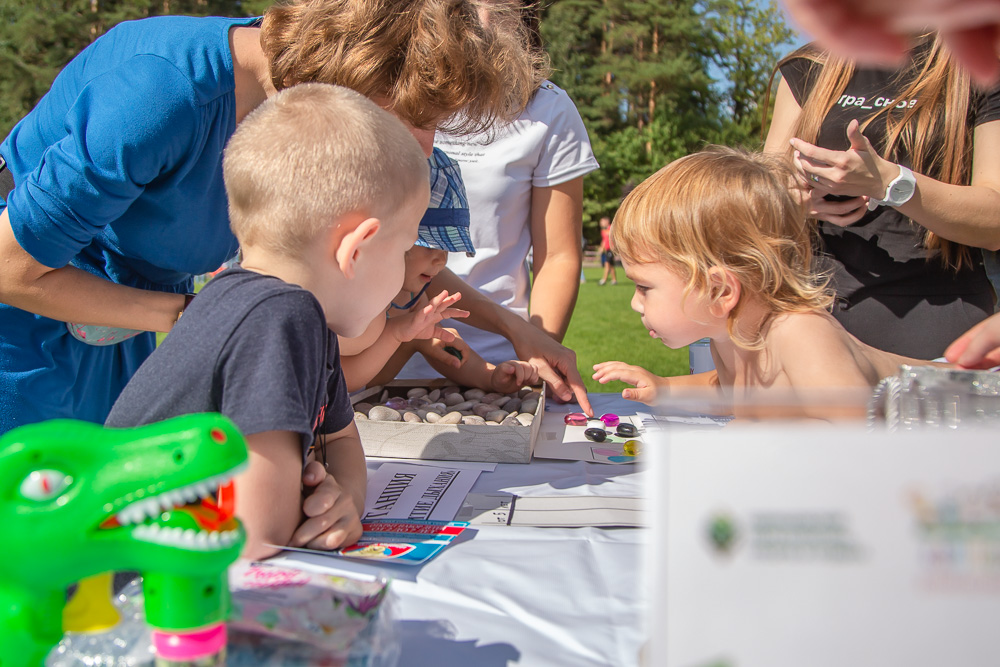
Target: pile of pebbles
{"type": "Point", "coordinates": [452, 405]}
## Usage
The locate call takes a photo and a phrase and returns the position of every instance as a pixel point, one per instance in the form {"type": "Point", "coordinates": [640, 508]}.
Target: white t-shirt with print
{"type": "Point", "coordinates": [546, 146]}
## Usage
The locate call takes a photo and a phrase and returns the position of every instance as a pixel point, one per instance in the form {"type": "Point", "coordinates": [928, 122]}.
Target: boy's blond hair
{"type": "Point", "coordinates": [310, 154]}
{"type": "Point", "coordinates": [724, 207]}
{"type": "Point", "coordinates": [429, 58]}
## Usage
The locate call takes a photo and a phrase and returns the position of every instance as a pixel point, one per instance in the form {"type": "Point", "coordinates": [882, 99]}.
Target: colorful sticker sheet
{"type": "Point", "coordinates": [403, 542]}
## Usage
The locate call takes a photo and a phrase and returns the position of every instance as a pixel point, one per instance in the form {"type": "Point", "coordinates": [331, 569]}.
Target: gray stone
{"type": "Point", "coordinates": [513, 405]}
{"type": "Point", "coordinates": [439, 408]}
{"type": "Point", "coordinates": [453, 399]}
{"type": "Point", "coordinates": [510, 420]}
{"type": "Point", "coordinates": [418, 402]}
{"type": "Point", "coordinates": [416, 392]}
{"type": "Point", "coordinates": [483, 409]}
{"type": "Point", "coordinates": [474, 394]}
{"type": "Point", "coordinates": [530, 405]}
{"type": "Point", "coordinates": [412, 417]}
{"type": "Point", "coordinates": [501, 402]}
{"type": "Point", "coordinates": [384, 397]}
{"type": "Point", "coordinates": [473, 420]}
{"type": "Point", "coordinates": [491, 397]}
{"type": "Point", "coordinates": [464, 405]}
{"type": "Point", "coordinates": [432, 418]}
{"type": "Point", "coordinates": [360, 416]}
{"type": "Point", "coordinates": [363, 408]}
{"type": "Point", "coordinates": [384, 414]}
{"type": "Point", "coordinates": [451, 418]}
{"type": "Point", "coordinates": [434, 396]}
{"type": "Point", "coordinates": [525, 419]}
{"type": "Point", "coordinates": [450, 389]}
{"type": "Point", "coordinates": [532, 395]}
{"type": "Point", "coordinates": [496, 415]}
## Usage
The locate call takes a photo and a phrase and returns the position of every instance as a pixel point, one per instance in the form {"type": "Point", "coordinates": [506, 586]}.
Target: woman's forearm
{"type": "Point", "coordinates": [556, 231]}
{"type": "Point", "coordinates": [483, 312]}
{"type": "Point", "coordinates": [963, 214]}
{"type": "Point", "coordinates": [553, 294]}
{"type": "Point", "coordinates": [70, 294]}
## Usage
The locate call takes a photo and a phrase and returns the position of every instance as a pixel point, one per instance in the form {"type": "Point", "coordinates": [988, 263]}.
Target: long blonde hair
{"type": "Point", "coordinates": [725, 207]}
{"type": "Point", "coordinates": [934, 132]}
{"type": "Point", "coordinates": [430, 58]}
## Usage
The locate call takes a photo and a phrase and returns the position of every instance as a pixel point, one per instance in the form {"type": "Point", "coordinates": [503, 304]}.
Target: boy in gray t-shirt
{"type": "Point", "coordinates": [325, 193]}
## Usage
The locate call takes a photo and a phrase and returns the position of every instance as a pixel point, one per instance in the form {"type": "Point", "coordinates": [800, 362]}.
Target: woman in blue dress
{"type": "Point", "coordinates": [118, 198]}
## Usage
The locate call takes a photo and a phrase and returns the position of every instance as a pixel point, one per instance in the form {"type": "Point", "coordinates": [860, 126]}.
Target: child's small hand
{"type": "Point", "coordinates": [422, 321]}
{"type": "Point", "coordinates": [645, 383]}
{"type": "Point", "coordinates": [447, 347]}
{"type": "Point", "coordinates": [511, 375]}
{"type": "Point", "coordinates": [332, 519]}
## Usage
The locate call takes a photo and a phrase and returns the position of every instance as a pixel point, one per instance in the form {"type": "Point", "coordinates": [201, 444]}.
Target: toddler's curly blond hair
{"type": "Point", "coordinates": [730, 208]}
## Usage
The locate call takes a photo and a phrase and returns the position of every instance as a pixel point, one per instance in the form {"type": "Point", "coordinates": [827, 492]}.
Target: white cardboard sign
{"type": "Point", "coordinates": [825, 547]}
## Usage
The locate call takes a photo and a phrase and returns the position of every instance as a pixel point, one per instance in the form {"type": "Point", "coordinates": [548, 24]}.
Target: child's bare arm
{"type": "Point", "coordinates": [422, 322]}
{"type": "Point", "coordinates": [333, 511]}
{"type": "Point", "coordinates": [268, 494]}
{"type": "Point", "coordinates": [351, 346]}
{"type": "Point", "coordinates": [646, 385]}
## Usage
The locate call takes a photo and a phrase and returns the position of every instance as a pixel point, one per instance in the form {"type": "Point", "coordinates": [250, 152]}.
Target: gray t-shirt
{"type": "Point", "coordinates": [252, 347]}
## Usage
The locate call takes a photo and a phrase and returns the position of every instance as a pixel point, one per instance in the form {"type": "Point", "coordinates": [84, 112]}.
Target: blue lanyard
{"type": "Point", "coordinates": [409, 304]}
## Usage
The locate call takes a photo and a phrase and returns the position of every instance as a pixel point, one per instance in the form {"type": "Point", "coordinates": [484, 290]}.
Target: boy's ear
{"type": "Point", "coordinates": [348, 240]}
{"type": "Point", "coordinates": [725, 291]}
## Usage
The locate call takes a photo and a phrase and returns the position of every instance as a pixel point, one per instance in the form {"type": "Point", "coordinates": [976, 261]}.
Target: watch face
{"type": "Point", "coordinates": [901, 191]}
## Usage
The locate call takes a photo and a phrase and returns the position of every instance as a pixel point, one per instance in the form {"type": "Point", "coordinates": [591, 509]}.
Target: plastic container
{"type": "Point", "coordinates": [700, 356]}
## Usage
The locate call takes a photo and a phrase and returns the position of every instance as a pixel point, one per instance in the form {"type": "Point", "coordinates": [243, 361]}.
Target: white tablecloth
{"type": "Point", "coordinates": [502, 595]}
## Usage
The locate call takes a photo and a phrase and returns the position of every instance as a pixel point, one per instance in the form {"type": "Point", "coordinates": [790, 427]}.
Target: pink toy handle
{"type": "Point", "coordinates": [188, 646]}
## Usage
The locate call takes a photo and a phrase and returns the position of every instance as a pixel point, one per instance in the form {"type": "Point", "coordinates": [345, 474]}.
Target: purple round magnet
{"type": "Point", "coordinates": [610, 420]}
{"type": "Point", "coordinates": [397, 403]}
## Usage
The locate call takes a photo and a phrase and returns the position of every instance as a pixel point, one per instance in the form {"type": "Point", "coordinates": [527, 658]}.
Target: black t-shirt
{"type": "Point", "coordinates": [252, 347]}
{"type": "Point", "coordinates": [883, 253]}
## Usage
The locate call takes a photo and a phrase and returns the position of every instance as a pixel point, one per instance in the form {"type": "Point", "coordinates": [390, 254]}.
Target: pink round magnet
{"type": "Point", "coordinates": [610, 419]}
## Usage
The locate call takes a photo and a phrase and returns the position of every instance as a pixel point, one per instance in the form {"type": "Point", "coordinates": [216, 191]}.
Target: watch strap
{"type": "Point", "coordinates": [904, 174]}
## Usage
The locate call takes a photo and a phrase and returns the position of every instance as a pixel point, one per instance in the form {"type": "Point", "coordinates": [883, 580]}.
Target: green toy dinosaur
{"type": "Point", "coordinates": [78, 500]}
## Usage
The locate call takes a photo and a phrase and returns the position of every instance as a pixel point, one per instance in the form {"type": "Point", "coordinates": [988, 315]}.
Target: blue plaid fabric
{"type": "Point", "coordinates": [445, 225]}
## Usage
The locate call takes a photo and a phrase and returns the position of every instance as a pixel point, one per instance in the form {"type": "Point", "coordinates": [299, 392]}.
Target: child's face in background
{"type": "Point", "coordinates": [422, 264]}
{"type": "Point", "coordinates": [668, 314]}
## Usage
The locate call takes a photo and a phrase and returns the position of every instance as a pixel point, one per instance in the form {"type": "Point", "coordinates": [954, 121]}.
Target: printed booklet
{"type": "Point", "coordinates": [399, 541]}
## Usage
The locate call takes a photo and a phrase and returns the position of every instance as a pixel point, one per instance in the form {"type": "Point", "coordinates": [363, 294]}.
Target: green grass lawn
{"type": "Point", "coordinates": [605, 328]}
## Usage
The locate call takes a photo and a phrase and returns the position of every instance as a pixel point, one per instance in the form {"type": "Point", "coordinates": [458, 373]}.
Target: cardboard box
{"type": "Point", "coordinates": [445, 442]}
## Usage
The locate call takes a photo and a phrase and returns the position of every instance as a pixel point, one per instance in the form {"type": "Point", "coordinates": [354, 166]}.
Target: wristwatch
{"type": "Point", "coordinates": [898, 192]}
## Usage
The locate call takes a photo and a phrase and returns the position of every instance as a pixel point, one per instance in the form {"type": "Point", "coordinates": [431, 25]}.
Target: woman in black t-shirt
{"type": "Point", "coordinates": [887, 162]}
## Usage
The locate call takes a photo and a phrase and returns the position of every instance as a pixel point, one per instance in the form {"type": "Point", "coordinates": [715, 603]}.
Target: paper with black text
{"type": "Point", "coordinates": [417, 492]}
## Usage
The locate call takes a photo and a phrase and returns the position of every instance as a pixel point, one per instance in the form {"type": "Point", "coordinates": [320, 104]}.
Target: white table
{"type": "Point", "coordinates": [503, 595]}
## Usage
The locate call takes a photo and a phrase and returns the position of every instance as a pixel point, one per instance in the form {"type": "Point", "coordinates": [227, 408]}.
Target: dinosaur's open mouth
{"type": "Point", "coordinates": [198, 516]}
